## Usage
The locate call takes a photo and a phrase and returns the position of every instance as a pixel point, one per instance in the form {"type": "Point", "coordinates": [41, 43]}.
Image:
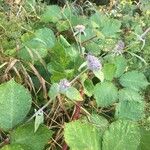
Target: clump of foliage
{"type": "Point", "coordinates": [74, 76]}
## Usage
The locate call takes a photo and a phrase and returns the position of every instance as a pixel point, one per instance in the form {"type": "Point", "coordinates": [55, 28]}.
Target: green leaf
{"type": "Point", "coordinates": [59, 64]}
{"type": "Point", "coordinates": [134, 80]}
{"type": "Point", "coordinates": [121, 64]}
{"type": "Point", "coordinates": [121, 135]}
{"type": "Point", "coordinates": [16, 147]}
{"type": "Point", "coordinates": [105, 94]}
{"type": "Point", "coordinates": [33, 50]}
{"type": "Point", "coordinates": [133, 110]}
{"type": "Point", "coordinates": [99, 74]}
{"type": "Point", "coordinates": [131, 105]}
{"type": "Point", "coordinates": [73, 94]}
{"type": "Point", "coordinates": [109, 71]}
{"type": "Point", "coordinates": [99, 122]}
{"type": "Point", "coordinates": [145, 137]}
{"type": "Point", "coordinates": [25, 135]}
{"type": "Point", "coordinates": [82, 136]}
{"type": "Point", "coordinates": [97, 20]}
{"type": "Point", "coordinates": [39, 119]}
{"type": "Point", "coordinates": [46, 36]}
{"type": "Point", "coordinates": [111, 27]}
{"type": "Point", "coordinates": [93, 48]}
{"type": "Point", "coordinates": [62, 25]}
{"type": "Point", "coordinates": [51, 14]}
{"type": "Point", "coordinates": [54, 91]}
{"type": "Point", "coordinates": [88, 87]}
{"type": "Point", "coordinates": [76, 20]}
{"type": "Point", "coordinates": [15, 103]}
{"type": "Point", "coordinates": [108, 26]}
{"type": "Point", "coordinates": [36, 48]}
{"type": "Point", "coordinates": [90, 33]}
{"type": "Point", "coordinates": [129, 95]}
{"type": "Point", "coordinates": [63, 41]}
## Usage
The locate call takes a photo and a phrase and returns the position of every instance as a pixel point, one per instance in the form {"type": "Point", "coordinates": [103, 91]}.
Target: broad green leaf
{"type": "Point", "coordinates": [93, 48]}
{"type": "Point", "coordinates": [51, 14]}
{"type": "Point", "coordinates": [36, 48]}
{"type": "Point", "coordinates": [59, 55]}
{"type": "Point", "coordinates": [76, 20]}
{"type": "Point", "coordinates": [88, 87]}
{"type": "Point", "coordinates": [109, 71]}
{"type": "Point", "coordinates": [25, 135]}
{"type": "Point", "coordinates": [54, 91]}
{"type": "Point", "coordinates": [15, 103]}
{"type": "Point", "coordinates": [108, 26]}
{"type": "Point", "coordinates": [82, 136]}
{"type": "Point", "coordinates": [105, 94]}
{"type": "Point", "coordinates": [134, 80]}
{"type": "Point", "coordinates": [73, 94]}
{"type": "Point", "coordinates": [97, 20]}
{"type": "Point", "coordinates": [121, 64]}
{"type": "Point", "coordinates": [131, 105]}
{"type": "Point", "coordinates": [33, 50]}
{"type": "Point", "coordinates": [145, 137]}
{"type": "Point", "coordinates": [16, 147]}
{"type": "Point", "coordinates": [46, 36]}
{"type": "Point", "coordinates": [111, 27]}
{"type": "Point", "coordinates": [130, 109]}
{"type": "Point", "coordinates": [74, 54]}
{"type": "Point", "coordinates": [59, 64]}
{"type": "Point", "coordinates": [129, 95]}
{"type": "Point", "coordinates": [99, 122]}
{"type": "Point", "coordinates": [121, 135]}
{"type": "Point", "coordinates": [99, 74]}
{"type": "Point", "coordinates": [90, 33]}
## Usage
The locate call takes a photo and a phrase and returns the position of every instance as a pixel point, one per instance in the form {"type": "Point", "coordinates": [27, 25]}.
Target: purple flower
{"type": "Point", "coordinates": [64, 84]}
{"type": "Point", "coordinates": [119, 48]}
{"type": "Point", "coordinates": [93, 63]}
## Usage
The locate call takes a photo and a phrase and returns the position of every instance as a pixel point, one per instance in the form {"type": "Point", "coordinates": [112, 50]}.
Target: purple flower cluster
{"type": "Point", "coordinates": [119, 48]}
{"type": "Point", "coordinates": [93, 63]}
{"type": "Point", "coordinates": [64, 84]}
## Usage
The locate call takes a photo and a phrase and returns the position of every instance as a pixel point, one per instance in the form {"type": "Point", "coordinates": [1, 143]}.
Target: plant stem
{"type": "Point", "coordinates": [77, 110]}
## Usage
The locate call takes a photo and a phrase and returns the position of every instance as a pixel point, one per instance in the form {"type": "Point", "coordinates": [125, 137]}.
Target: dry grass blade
{"type": "Point", "coordinates": [27, 77]}
{"type": "Point", "coordinates": [10, 65]}
{"type": "Point", "coordinates": [17, 72]}
{"type": "Point", "coordinates": [42, 81]}
{"type": "Point", "coordinates": [4, 64]}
